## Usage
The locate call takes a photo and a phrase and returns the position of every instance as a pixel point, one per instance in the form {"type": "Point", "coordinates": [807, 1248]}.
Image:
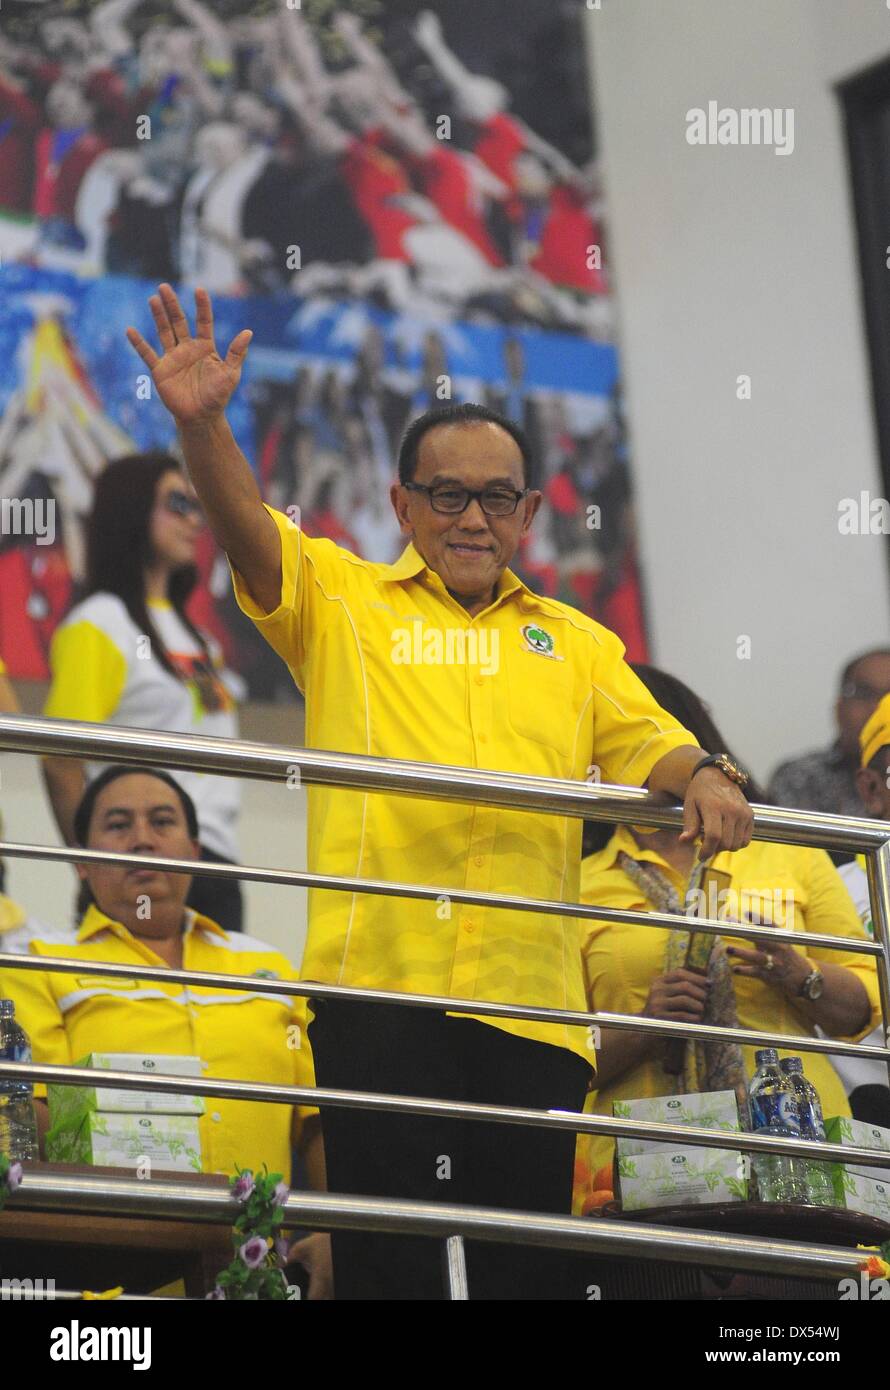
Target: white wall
{"type": "Point", "coordinates": [732, 260]}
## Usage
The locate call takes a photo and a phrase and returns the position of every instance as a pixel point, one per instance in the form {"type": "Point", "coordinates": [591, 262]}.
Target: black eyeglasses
{"type": "Point", "coordinates": [494, 501]}
{"type": "Point", "coordinates": [180, 504]}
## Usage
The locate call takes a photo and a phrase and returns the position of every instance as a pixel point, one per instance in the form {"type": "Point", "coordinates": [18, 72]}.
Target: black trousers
{"type": "Point", "coordinates": [217, 898]}
{"type": "Point", "coordinates": [410, 1051]}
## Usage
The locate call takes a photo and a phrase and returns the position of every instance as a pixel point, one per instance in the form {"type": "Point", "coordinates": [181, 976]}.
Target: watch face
{"type": "Point", "coordinates": [732, 770]}
{"type": "Point", "coordinates": [815, 987]}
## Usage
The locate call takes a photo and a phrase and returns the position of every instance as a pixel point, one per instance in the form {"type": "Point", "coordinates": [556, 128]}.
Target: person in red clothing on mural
{"type": "Point", "coordinates": [20, 119]}
{"type": "Point", "coordinates": [457, 183]}
{"type": "Point", "coordinates": [549, 200]}
{"type": "Point", "coordinates": [66, 148]}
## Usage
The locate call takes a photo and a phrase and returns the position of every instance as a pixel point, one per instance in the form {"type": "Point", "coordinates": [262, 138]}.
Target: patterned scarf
{"type": "Point", "coordinates": [707, 1066]}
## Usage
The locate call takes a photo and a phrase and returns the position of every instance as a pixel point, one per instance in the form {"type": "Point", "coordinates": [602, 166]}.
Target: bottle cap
{"type": "Point", "coordinates": [791, 1064]}
{"type": "Point", "coordinates": [7, 1008]}
{"type": "Point", "coordinates": [766, 1056]}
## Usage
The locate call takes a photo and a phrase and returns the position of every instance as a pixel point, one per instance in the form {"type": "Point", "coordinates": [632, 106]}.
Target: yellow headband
{"type": "Point", "coordinates": [876, 732]}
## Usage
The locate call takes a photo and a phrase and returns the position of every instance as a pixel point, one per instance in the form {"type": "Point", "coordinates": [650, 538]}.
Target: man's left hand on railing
{"type": "Point", "coordinates": [714, 808]}
{"type": "Point", "coordinates": [717, 811]}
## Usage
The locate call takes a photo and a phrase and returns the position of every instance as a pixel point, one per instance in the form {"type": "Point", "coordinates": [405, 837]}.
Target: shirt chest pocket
{"type": "Point", "coordinates": [766, 902]}
{"type": "Point", "coordinates": [542, 703]}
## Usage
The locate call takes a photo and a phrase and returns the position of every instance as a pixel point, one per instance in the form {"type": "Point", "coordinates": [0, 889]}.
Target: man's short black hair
{"type": "Point", "coordinates": [468, 414]}
{"type": "Point", "coordinates": [87, 804]}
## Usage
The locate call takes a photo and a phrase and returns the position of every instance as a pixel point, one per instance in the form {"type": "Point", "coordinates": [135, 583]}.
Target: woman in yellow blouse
{"type": "Point", "coordinates": [642, 970]}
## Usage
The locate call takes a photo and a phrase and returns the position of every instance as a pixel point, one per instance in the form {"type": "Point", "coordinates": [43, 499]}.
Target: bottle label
{"type": "Point", "coordinates": [776, 1111]}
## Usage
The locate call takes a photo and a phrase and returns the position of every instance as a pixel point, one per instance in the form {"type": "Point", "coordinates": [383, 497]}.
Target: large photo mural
{"type": "Point", "coordinates": [389, 196]}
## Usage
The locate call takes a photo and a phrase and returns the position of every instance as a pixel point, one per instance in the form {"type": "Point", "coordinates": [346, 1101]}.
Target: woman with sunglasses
{"type": "Point", "coordinates": [129, 654]}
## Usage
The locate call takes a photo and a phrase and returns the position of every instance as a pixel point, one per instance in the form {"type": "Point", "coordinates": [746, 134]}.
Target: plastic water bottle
{"type": "Point", "coordinates": [18, 1123]}
{"type": "Point", "coordinates": [820, 1190]}
{"type": "Point", "coordinates": [775, 1112]}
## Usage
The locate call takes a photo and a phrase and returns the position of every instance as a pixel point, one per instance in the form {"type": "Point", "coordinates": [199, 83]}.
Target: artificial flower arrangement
{"type": "Point", "coordinates": [257, 1270]}
{"type": "Point", "coordinates": [877, 1265]}
{"type": "Point", "coordinates": [10, 1177]}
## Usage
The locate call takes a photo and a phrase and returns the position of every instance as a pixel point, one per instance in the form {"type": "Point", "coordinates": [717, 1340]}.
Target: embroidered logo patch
{"type": "Point", "coordinates": [537, 640]}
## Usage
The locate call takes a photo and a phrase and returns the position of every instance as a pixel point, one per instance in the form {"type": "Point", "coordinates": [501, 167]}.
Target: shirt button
{"type": "Point", "coordinates": [469, 926]}
{"type": "Point", "coordinates": [483, 738]}
{"type": "Point", "coordinates": [479, 861]}
{"type": "Point", "coordinates": [480, 680]}
{"type": "Point", "coordinates": [216, 1117]}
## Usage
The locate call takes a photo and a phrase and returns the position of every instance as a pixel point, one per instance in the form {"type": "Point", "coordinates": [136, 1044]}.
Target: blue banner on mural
{"type": "Point", "coordinates": [96, 314]}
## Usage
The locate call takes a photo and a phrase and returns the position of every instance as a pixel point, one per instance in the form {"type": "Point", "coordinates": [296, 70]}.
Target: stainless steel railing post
{"type": "Point", "coordinates": [878, 868]}
{"type": "Point", "coordinates": [454, 1258]}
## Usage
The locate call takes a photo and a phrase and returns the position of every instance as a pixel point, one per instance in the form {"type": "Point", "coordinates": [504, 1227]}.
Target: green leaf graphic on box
{"type": "Point", "coordinates": [67, 1102]}
{"type": "Point", "coordinates": [712, 1179]}
{"type": "Point", "coordinates": [195, 1161]}
{"type": "Point", "coordinates": [626, 1168]}
{"type": "Point", "coordinates": [738, 1187]}
{"type": "Point", "coordinates": [68, 1142]}
{"type": "Point", "coordinates": [621, 1110]}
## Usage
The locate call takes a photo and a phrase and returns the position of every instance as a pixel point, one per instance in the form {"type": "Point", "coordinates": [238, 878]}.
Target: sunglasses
{"type": "Point", "coordinates": [855, 690]}
{"type": "Point", "coordinates": [181, 504]}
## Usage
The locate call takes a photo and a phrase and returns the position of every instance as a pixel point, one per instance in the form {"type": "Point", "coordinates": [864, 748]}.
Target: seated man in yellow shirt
{"type": "Point", "coordinates": [139, 917]}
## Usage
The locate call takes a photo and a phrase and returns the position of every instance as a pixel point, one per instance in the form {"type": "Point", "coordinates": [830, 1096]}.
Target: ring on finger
{"type": "Point", "coordinates": [770, 962]}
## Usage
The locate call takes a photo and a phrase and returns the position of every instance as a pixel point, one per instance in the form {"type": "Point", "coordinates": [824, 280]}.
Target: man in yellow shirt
{"type": "Point", "coordinates": [444, 656]}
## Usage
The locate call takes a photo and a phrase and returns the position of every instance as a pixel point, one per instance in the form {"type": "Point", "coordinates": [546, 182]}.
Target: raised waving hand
{"type": "Point", "coordinates": [192, 379]}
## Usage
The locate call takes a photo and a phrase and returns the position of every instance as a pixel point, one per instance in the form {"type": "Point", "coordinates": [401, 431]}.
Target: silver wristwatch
{"type": "Point", "coordinates": [813, 986]}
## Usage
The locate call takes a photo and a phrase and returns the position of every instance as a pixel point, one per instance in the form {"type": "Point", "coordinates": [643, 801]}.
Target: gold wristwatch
{"type": "Point", "coordinates": [727, 765]}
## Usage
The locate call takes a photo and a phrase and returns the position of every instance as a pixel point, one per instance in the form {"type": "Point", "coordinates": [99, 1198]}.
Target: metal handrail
{"type": "Point", "coordinates": [547, 907]}
{"type": "Point", "coordinates": [46, 1073]}
{"type": "Point", "coordinates": [662, 1028]}
{"type": "Point", "coordinates": [398, 777]}
{"type": "Point", "coordinates": [630, 805]}
{"type": "Point", "coordinates": [172, 1200]}
{"type": "Point", "coordinates": [548, 795]}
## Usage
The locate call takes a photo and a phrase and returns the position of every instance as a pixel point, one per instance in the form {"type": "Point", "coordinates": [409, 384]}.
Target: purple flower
{"type": "Point", "coordinates": [217, 1293]}
{"type": "Point", "coordinates": [282, 1246]}
{"type": "Point", "coordinates": [14, 1176]}
{"type": "Point", "coordinates": [281, 1194]}
{"type": "Point", "coordinates": [253, 1252]}
{"type": "Point", "coordinates": [243, 1188]}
